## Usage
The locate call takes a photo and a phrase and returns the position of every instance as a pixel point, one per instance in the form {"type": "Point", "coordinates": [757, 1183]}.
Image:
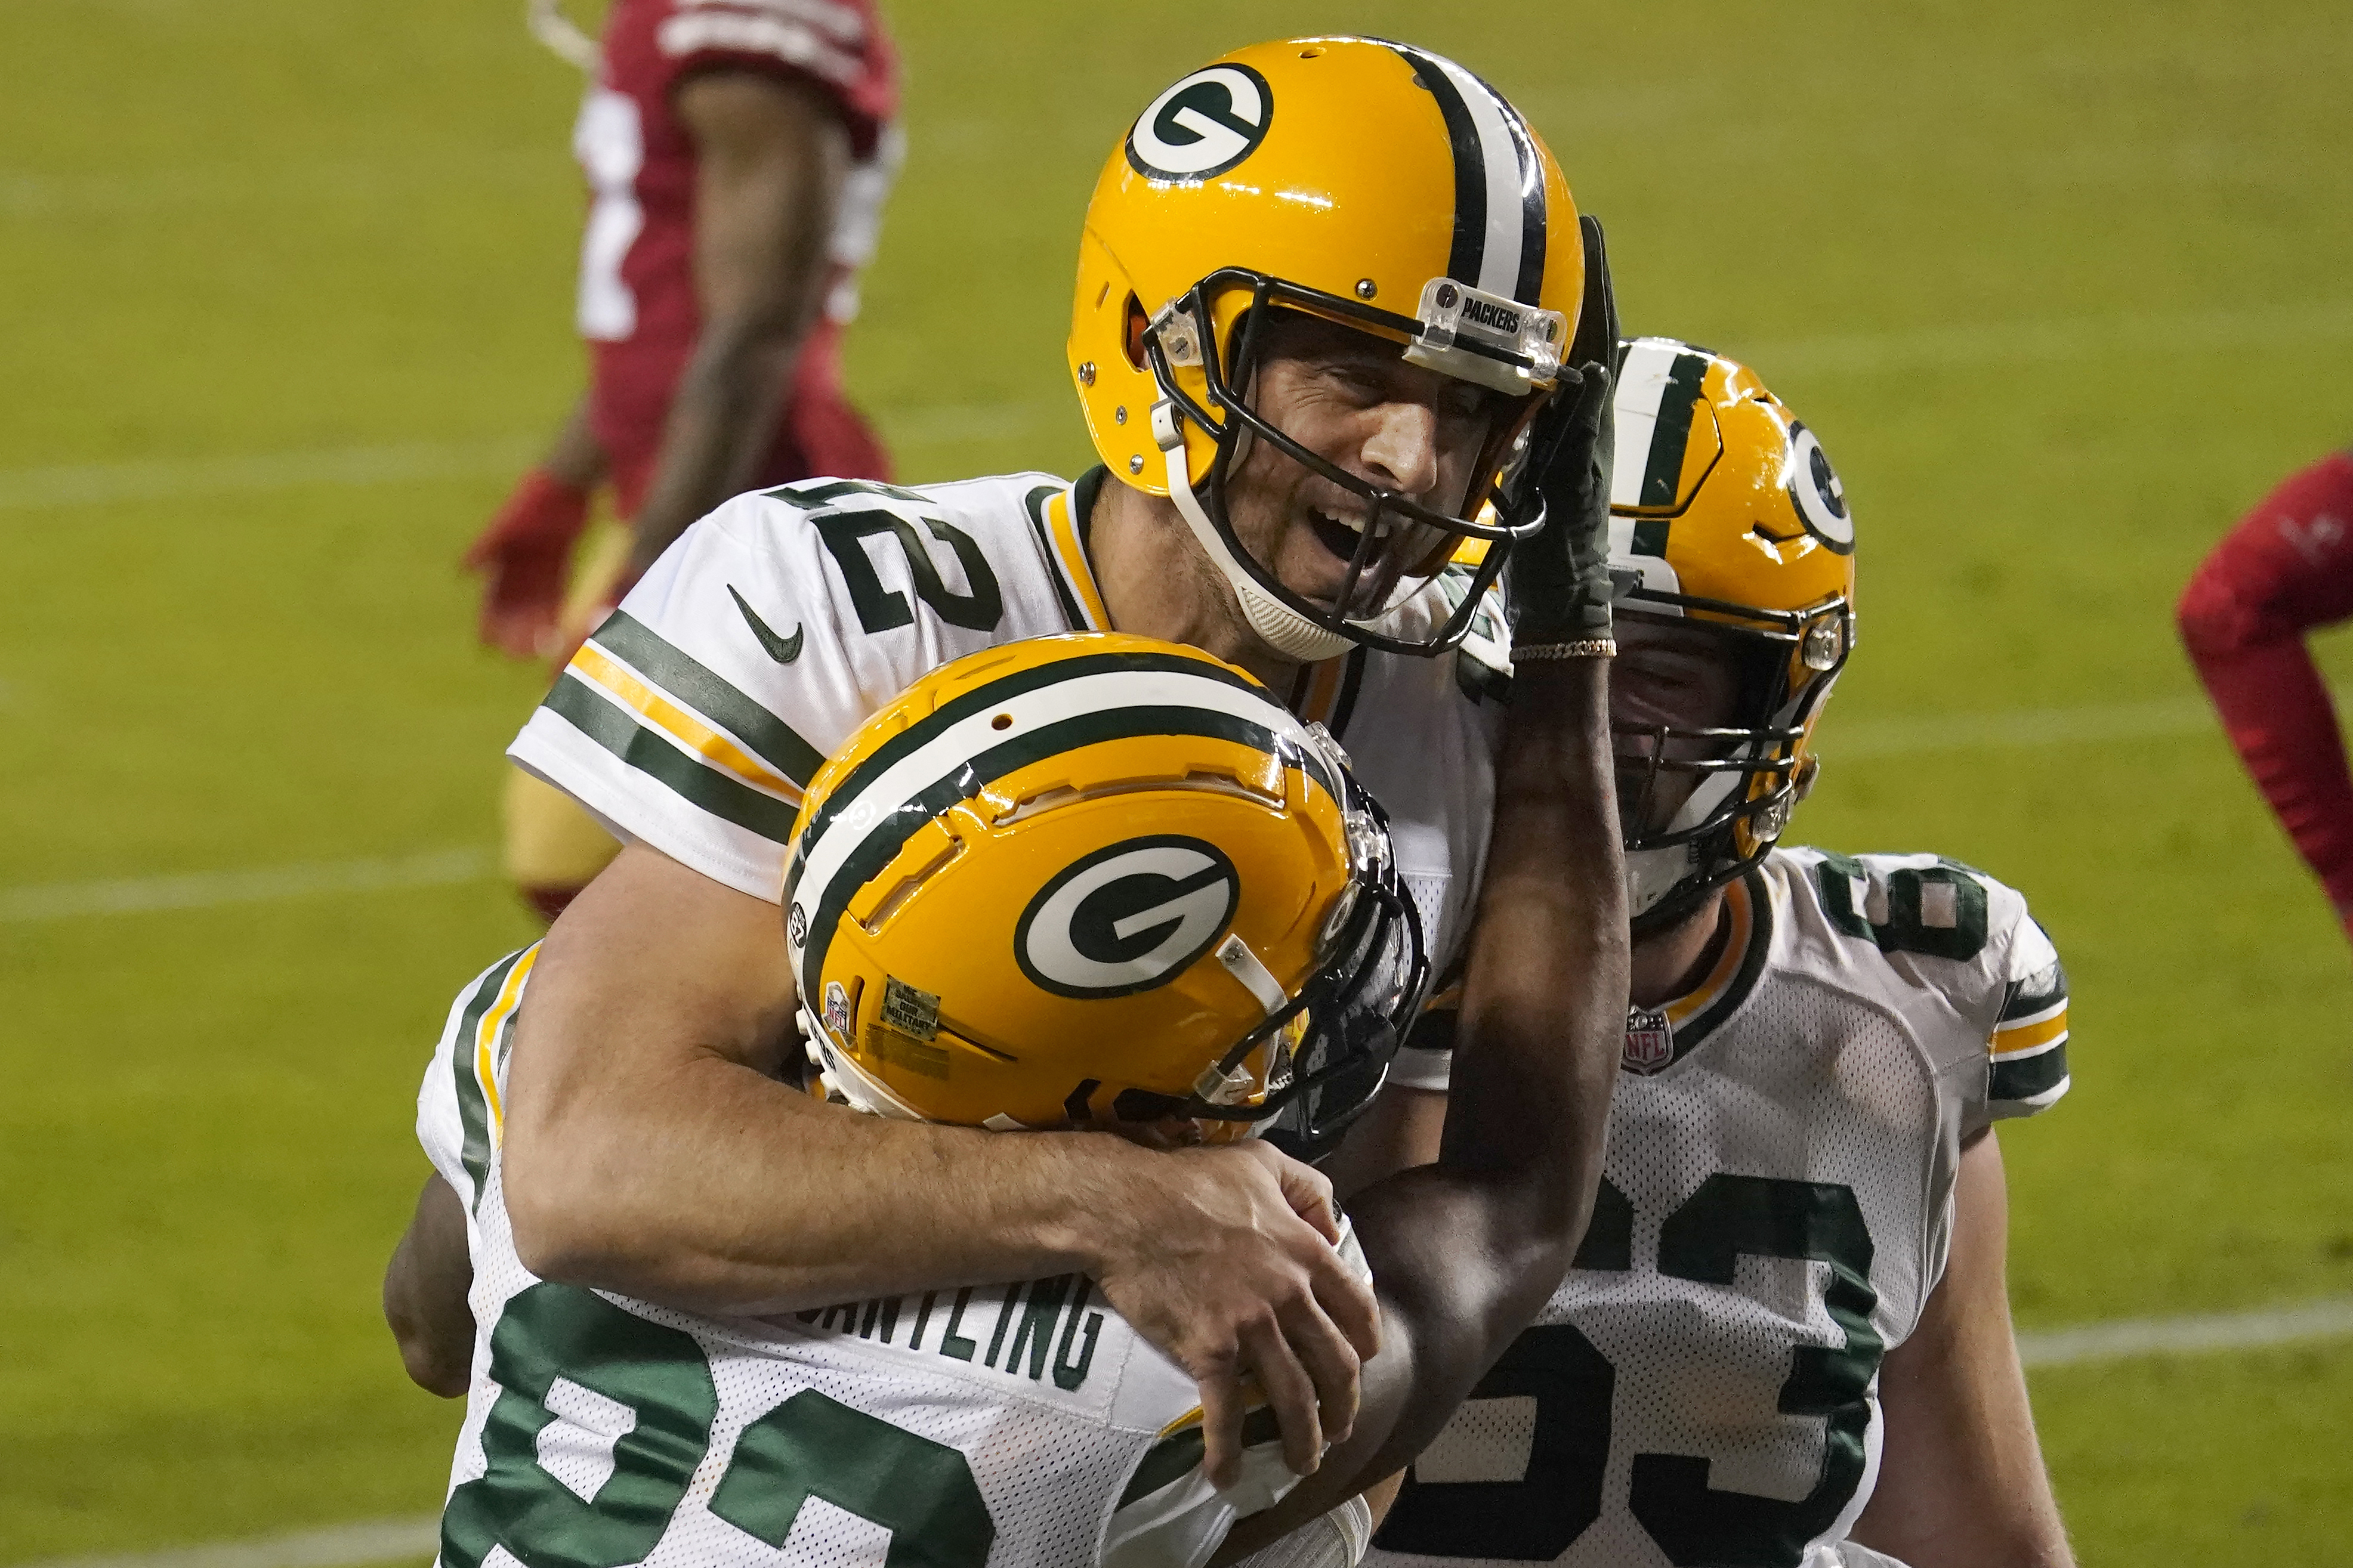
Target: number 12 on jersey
{"type": "Point", "coordinates": [1539, 1516]}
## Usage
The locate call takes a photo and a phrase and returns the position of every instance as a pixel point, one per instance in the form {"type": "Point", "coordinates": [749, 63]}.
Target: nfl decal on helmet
{"type": "Point", "coordinates": [1093, 876]}
{"type": "Point", "coordinates": [1412, 202]}
{"type": "Point", "coordinates": [1727, 516]}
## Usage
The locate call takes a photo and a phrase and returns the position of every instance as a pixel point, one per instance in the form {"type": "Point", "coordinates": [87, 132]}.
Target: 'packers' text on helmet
{"type": "Point", "coordinates": [1724, 516]}
{"type": "Point", "coordinates": [1097, 877]}
{"type": "Point", "coordinates": [1367, 183]}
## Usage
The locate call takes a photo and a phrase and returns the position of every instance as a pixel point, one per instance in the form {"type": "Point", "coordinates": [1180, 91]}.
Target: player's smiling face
{"type": "Point", "coordinates": [1672, 677]}
{"type": "Point", "coordinates": [1349, 398]}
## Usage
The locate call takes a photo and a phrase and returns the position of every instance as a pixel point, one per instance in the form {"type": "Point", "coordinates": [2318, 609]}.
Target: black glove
{"type": "Point", "coordinates": [1558, 585]}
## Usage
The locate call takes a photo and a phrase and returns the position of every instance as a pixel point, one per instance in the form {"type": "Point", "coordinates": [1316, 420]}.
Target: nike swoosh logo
{"type": "Point", "coordinates": [784, 650]}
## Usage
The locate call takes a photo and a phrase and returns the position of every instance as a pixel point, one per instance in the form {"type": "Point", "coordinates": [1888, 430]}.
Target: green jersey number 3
{"type": "Point", "coordinates": [1535, 1518]}
{"type": "Point", "coordinates": [564, 1353]}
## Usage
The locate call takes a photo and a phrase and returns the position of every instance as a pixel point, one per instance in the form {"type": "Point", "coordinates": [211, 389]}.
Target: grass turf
{"type": "Point", "coordinates": [2059, 284]}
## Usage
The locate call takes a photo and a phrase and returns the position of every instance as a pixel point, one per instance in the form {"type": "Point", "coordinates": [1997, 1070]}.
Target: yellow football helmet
{"type": "Point", "coordinates": [1371, 183]}
{"type": "Point", "coordinates": [1097, 877]}
{"type": "Point", "coordinates": [1725, 514]}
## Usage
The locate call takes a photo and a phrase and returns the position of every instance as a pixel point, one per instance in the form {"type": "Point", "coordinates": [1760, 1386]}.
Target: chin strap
{"type": "Point", "coordinates": [1278, 626]}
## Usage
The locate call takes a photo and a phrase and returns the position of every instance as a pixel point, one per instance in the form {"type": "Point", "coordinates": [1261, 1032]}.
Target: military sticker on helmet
{"type": "Point", "coordinates": [1815, 490]}
{"type": "Point", "coordinates": [1203, 126]}
{"type": "Point", "coordinates": [1127, 917]}
{"type": "Point", "coordinates": [1649, 1042]}
{"type": "Point", "coordinates": [913, 1013]}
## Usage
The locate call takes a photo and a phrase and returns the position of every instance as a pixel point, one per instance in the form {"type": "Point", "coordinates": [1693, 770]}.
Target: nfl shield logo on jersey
{"type": "Point", "coordinates": [1649, 1042]}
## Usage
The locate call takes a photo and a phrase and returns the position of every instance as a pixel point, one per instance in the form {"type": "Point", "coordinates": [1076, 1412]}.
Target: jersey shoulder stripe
{"type": "Point", "coordinates": [696, 715]}
{"type": "Point", "coordinates": [480, 1033]}
{"type": "Point", "coordinates": [2028, 1044]}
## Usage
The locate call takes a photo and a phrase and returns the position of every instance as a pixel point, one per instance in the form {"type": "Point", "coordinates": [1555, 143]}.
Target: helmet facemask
{"type": "Point", "coordinates": [1208, 377]}
{"type": "Point", "coordinates": [1702, 804]}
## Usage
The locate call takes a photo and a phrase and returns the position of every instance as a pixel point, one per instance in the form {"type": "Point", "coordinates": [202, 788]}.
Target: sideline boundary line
{"type": "Point", "coordinates": [384, 1540]}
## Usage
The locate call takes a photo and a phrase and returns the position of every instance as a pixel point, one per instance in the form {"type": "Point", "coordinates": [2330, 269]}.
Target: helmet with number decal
{"type": "Point", "coordinates": [1097, 877]}
{"type": "Point", "coordinates": [1367, 183]}
{"type": "Point", "coordinates": [1726, 517]}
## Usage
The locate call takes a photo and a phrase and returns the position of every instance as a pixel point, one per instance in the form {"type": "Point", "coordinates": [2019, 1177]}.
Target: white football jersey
{"type": "Point", "coordinates": [1023, 1426]}
{"type": "Point", "coordinates": [693, 717]}
{"type": "Point", "coordinates": [1777, 1205]}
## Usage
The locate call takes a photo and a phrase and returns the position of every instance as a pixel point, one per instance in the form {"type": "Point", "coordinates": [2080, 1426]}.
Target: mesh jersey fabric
{"type": "Point", "coordinates": [694, 717]}
{"type": "Point", "coordinates": [1023, 1424]}
{"type": "Point", "coordinates": [1777, 1208]}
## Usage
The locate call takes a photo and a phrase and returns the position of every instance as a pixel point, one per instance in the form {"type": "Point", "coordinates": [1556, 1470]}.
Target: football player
{"type": "Point", "coordinates": [737, 155]}
{"type": "Point", "coordinates": [1786, 1339]}
{"type": "Point", "coordinates": [1325, 287]}
{"type": "Point", "coordinates": [1094, 879]}
{"type": "Point", "coordinates": [2286, 570]}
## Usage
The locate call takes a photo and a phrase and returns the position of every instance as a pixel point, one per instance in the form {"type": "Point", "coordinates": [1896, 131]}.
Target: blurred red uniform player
{"type": "Point", "coordinates": [2286, 568]}
{"type": "Point", "coordinates": [738, 153]}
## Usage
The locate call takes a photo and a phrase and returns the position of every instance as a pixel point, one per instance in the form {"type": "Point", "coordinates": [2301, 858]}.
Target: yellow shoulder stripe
{"type": "Point", "coordinates": [486, 1037]}
{"type": "Point", "coordinates": [599, 668]}
{"type": "Point", "coordinates": [2031, 1037]}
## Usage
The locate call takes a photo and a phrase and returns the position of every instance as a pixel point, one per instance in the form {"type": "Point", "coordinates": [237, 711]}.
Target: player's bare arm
{"type": "Point", "coordinates": [771, 155]}
{"type": "Point", "coordinates": [425, 1293]}
{"type": "Point", "coordinates": [1961, 1481]}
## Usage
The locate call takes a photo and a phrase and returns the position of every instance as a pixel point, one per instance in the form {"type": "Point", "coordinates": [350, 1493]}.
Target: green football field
{"type": "Point", "coordinates": [285, 300]}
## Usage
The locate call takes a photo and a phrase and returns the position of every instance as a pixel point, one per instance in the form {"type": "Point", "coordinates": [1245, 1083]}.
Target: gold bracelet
{"type": "Point", "coordinates": [1584, 648]}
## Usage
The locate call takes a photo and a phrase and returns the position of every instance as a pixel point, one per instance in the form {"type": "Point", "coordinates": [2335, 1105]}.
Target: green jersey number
{"type": "Point", "coordinates": [558, 1350]}
{"type": "Point", "coordinates": [1937, 912]}
{"type": "Point", "coordinates": [1536, 1519]}
{"type": "Point", "coordinates": [881, 609]}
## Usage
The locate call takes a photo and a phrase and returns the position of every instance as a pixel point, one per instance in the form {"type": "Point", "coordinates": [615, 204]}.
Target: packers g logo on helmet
{"type": "Point", "coordinates": [1092, 876]}
{"type": "Point", "coordinates": [1128, 918]}
{"type": "Point", "coordinates": [1726, 514]}
{"type": "Point", "coordinates": [1203, 126]}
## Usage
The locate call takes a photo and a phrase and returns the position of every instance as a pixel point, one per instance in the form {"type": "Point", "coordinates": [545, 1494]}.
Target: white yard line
{"type": "Point", "coordinates": [2331, 1317]}
{"type": "Point", "coordinates": [212, 889]}
{"type": "Point", "coordinates": [102, 484]}
{"type": "Point", "coordinates": [340, 1546]}
{"type": "Point", "coordinates": [381, 1540]}
{"type": "Point", "coordinates": [1997, 342]}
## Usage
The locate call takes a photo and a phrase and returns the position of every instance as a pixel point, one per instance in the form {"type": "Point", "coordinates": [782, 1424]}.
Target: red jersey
{"type": "Point", "coordinates": [2285, 569]}
{"type": "Point", "coordinates": [637, 304]}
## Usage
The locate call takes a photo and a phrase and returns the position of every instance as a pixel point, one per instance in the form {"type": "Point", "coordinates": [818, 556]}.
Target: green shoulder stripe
{"type": "Point", "coordinates": [702, 689]}
{"type": "Point", "coordinates": [473, 1113]}
{"type": "Point", "coordinates": [2026, 1077]}
{"type": "Point", "coordinates": [648, 753]}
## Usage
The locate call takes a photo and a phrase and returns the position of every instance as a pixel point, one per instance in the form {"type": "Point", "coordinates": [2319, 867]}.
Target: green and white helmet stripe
{"type": "Point", "coordinates": [960, 748]}
{"type": "Point", "coordinates": [1658, 386]}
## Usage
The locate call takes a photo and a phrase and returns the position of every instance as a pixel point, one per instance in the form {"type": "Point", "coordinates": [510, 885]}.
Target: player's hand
{"type": "Point", "coordinates": [525, 552]}
{"type": "Point", "coordinates": [1559, 582]}
{"type": "Point", "coordinates": [1228, 1269]}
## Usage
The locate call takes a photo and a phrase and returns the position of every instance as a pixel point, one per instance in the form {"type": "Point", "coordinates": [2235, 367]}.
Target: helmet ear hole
{"type": "Point", "coordinates": [1133, 337]}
